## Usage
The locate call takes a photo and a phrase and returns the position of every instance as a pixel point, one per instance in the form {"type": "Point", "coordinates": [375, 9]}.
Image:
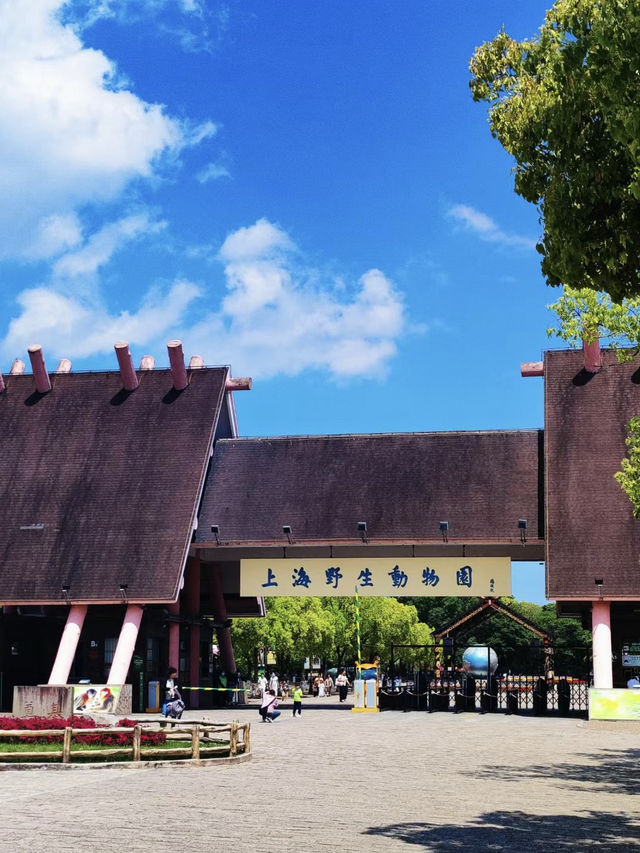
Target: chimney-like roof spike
{"type": "Point", "coordinates": [176, 360]}
{"type": "Point", "coordinates": [196, 362]}
{"type": "Point", "coordinates": [40, 375]}
{"type": "Point", "coordinates": [591, 353]}
{"type": "Point", "coordinates": [147, 362]}
{"type": "Point", "coordinates": [64, 366]}
{"type": "Point", "coordinates": [2, 385]}
{"type": "Point", "coordinates": [238, 383]}
{"type": "Point", "coordinates": [532, 368]}
{"type": "Point", "coordinates": [125, 363]}
{"type": "Point", "coordinates": [17, 368]}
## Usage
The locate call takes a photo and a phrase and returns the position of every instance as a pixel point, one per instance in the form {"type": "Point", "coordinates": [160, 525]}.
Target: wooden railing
{"type": "Point", "coordinates": [205, 738]}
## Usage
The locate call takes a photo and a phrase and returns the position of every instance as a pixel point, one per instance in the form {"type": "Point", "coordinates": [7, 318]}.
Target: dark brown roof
{"type": "Point", "coordinates": [591, 532]}
{"type": "Point", "coordinates": [98, 487]}
{"type": "Point", "coordinates": [402, 485]}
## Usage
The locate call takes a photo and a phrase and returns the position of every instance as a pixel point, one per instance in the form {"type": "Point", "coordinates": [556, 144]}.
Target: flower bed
{"type": "Point", "coordinates": [109, 738]}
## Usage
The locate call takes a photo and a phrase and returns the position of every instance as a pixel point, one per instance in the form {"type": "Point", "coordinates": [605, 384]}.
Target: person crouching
{"type": "Point", "coordinates": [268, 710]}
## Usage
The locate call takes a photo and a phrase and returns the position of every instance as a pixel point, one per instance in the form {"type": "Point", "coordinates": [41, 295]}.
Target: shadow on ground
{"type": "Point", "coordinates": [521, 831]}
{"type": "Point", "coordinates": [615, 773]}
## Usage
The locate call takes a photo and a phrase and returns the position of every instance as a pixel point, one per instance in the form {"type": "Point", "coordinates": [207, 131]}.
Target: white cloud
{"type": "Point", "coordinates": [278, 316]}
{"type": "Point", "coordinates": [194, 24]}
{"type": "Point", "coordinates": [260, 241]}
{"type": "Point", "coordinates": [54, 234]}
{"type": "Point", "coordinates": [68, 135]}
{"type": "Point", "coordinates": [100, 247]}
{"type": "Point", "coordinates": [212, 172]}
{"type": "Point", "coordinates": [68, 326]}
{"type": "Point", "coordinates": [485, 228]}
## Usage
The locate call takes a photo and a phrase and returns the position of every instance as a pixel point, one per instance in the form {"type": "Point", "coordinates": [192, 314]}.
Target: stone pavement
{"type": "Point", "coordinates": [336, 780]}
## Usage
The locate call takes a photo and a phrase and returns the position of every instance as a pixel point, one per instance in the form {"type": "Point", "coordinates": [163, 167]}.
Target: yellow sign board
{"type": "Point", "coordinates": [614, 703]}
{"type": "Point", "coordinates": [411, 576]}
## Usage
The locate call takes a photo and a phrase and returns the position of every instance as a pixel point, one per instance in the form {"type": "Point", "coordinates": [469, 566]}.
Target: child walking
{"type": "Point", "coordinates": [297, 700]}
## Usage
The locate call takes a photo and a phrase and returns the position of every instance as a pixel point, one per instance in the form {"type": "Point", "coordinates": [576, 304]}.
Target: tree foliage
{"type": "Point", "coordinates": [298, 627]}
{"type": "Point", "coordinates": [629, 477]}
{"type": "Point", "coordinates": [516, 646]}
{"type": "Point", "coordinates": [566, 106]}
{"type": "Point", "coordinates": [583, 314]}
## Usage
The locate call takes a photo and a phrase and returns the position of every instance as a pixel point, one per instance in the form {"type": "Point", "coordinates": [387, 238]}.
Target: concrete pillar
{"type": "Point", "coordinates": [220, 615]}
{"type": "Point", "coordinates": [174, 636]}
{"type": "Point", "coordinates": [601, 628]}
{"type": "Point", "coordinates": [192, 608]}
{"type": "Point", "coordinates": [126, 645]}
{"type": "Point", "coordinates": [68, 644]}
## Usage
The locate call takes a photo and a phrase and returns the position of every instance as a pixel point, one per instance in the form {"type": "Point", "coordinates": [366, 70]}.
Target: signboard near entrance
{"type": "Point", "coordinates": [414, 576]}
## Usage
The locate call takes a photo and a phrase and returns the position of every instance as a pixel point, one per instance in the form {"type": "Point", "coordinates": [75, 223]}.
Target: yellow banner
{"type": "Point", "coordinates": [414, 576]}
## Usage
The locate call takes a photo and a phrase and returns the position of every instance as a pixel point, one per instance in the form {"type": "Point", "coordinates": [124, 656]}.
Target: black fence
{"type": "Point", "coordinates": [438, 682]}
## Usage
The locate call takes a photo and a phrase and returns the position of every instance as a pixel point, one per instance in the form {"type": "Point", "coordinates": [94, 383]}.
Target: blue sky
{"type": "Point", "coordinates": [305, 191]}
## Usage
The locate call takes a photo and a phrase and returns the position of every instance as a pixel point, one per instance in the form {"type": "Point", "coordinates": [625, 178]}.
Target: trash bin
{"type": "Point", "coordinates": [153, 697]}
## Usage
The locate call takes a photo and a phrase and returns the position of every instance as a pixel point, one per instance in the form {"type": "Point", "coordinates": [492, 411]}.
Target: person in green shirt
{"type": "Point", "coordinates": [297, 700]}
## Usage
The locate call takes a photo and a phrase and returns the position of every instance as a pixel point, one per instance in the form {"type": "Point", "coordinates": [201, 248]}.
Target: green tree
{"type": "Point", "coordinates": [629, 477]}
{"type": "Point", "coordinates": [299, 627]}
{"type": "Point", "coordinates": [582, 314]}
{"type": "Point", "coordinates": [566, 106]}
{"type": "Point", "coordinates": [294, 628]}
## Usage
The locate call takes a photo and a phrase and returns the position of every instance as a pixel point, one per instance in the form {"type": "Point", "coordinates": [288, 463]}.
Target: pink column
{"type": "Point", "coordinates": [601, 628]}
{"type": "Point", "coordinates": [174, 636]}
{"type": "Point", "coordinates": [192, 607]}
{"type": "Point", "coordinates": [68, 644]}
{"type": "Point", "coordinates": [220, 614]}
{"type": "Point", "coordinates": [126, 645]}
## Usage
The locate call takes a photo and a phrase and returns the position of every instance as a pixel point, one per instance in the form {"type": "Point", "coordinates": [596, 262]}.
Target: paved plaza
{"type": "Point", "coordinates": [336, 780]}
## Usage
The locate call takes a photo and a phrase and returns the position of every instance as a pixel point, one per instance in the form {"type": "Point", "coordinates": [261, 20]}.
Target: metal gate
{"type": "Point", "coordinates": [547, 680]}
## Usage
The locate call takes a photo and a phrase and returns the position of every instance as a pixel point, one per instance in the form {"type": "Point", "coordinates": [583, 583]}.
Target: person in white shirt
{"type": "Point", "coordinates": [342, 683]}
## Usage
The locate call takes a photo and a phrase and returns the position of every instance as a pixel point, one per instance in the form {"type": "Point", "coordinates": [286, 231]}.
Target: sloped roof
{"type": "Point", "coordinates": [591, 532]}
{"type": "Point", "coordinates": [99, 487]}
{"type": "Point", "coordinates": [402, 485]}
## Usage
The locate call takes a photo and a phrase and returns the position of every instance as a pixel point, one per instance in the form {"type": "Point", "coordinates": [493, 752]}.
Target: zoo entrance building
{"type": "Point", "coordinates": [134, 521]}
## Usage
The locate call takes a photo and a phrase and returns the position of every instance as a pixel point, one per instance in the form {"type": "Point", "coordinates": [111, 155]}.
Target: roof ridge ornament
{"type": "Point", "coordinates": [40, 375]}
{"type": "Point", "coordinates": [176, 360]}
{"type": "Point", "coordinates": [125, 363]}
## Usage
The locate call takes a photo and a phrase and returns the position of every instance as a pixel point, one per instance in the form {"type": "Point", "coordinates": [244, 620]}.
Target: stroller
{"type": "Point", "coordinates": [173, 708]}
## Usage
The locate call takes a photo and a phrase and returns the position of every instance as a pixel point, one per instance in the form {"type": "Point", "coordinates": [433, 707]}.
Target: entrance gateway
{"type": "Point", "coordinates": [130, 538]}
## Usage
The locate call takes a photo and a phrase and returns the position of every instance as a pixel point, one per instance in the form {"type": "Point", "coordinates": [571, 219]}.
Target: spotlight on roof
{"type": "Point", "coordinates": [362, 530]}
{"type": "Point", "coordinates": [288, 532]}
{"type": "Point", "coordinates": [522, 527]}
{"type": "Point", "coordinates": [66, 592]}
{"type": "Point", "coordinates": [444, 529]}
{"type": "Point", "coordinates": [215, 529]}
{"type": "Point", "coordinates": [123, 591]}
